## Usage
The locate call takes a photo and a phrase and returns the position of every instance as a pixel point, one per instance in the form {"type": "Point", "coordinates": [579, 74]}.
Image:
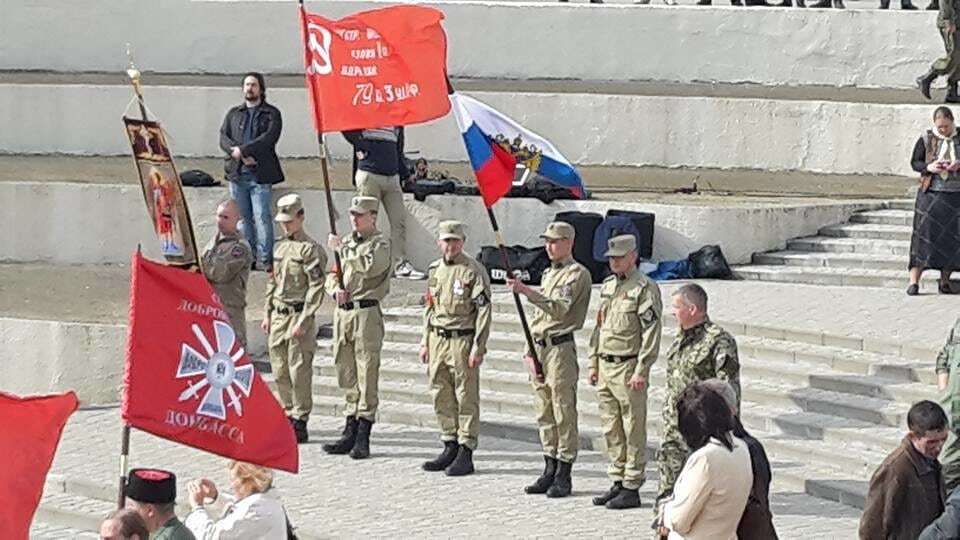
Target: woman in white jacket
{"type": "Point", "coordinates": [714, 485]}
{"type": "Point", "coordinates": [254, 515]}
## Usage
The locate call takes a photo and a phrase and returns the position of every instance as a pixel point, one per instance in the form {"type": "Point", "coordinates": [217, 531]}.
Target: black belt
{"type": "Point", "coordinates": [554, 340]}
{"type": "Point", "coordinates": [616, 359]}
{"type": "Point", "coordinates": [288, 309]}
{"type": "Point", "coordinates": [448, 333]}
{"type": "Point", "coordinates": [361, 304]}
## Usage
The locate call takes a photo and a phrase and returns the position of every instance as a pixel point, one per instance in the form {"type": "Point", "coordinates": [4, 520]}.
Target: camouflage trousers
{"type": "Point", "coordinates": [948, 65]}
{"type": "Point", "coordinates": [670, 459]}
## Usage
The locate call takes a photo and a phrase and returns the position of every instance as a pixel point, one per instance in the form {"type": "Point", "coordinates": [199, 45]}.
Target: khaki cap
{"type": "Point", "coordinates": [364, 205]}
{"type": "Point", "coordinates": [559, 230]}
{"type": "Point", "coordinates": [451, 229]}
{"type": "Point", "coordinates": [618, 246]}
{"type": "Point", "coordinates": [288, 207]}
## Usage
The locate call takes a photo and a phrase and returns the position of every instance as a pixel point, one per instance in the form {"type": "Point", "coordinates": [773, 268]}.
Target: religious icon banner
{"type": "Point", "coordinates": [162, 191]}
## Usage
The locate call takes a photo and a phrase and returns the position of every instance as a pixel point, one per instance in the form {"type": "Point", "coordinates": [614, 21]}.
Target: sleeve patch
{"type": "Point", "coordinates": [237, 251]}
{"type": "Point", "coordinates": [482, 300]}
{"type": "Point", "coordinates": [648, 316]}
{"type": "Point", "coordinates": [316, 272]}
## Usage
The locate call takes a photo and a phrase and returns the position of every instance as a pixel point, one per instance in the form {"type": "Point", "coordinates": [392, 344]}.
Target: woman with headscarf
{"type": "Point", "coordinates": [935, 243]}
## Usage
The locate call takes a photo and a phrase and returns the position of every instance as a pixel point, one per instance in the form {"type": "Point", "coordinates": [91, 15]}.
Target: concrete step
{"type": "Point", "coordinates": [831, 260]}
{"type": "Point", "coordinates": [72, 510]}
{"type": "Point", "coordinates": [864, 277]}
{"type": "Point", "coordinates": [869, 231]}
{"type": "Point", "coordinates": [884, 217]}
{"type": "Point", "coordinates": [901, 204]}
{"type": "Point", "coordinates": [830, 244]}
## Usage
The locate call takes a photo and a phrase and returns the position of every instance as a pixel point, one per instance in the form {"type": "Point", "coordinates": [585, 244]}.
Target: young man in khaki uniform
{"type": "Point", "coordinates": [294, 294]}
{"type": "Point", "coordinates": [623, 347]}
{"type": "Point", "coordinates": [560, 309]}
{"type": "Point", "coordinates": [456, 327]}
{"type": "Point", "coordinates": [358, 323]}
{"type": "Point", "coordinates": [226, 265]}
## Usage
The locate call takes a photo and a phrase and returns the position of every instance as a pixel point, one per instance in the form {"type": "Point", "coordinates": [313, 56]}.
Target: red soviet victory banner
{"type": "Point", "coordinates": [30, 432]}
{"type": "Point", "coordinates": [385, 67]}
{"type": "Point", "coordinates": [188, 379]}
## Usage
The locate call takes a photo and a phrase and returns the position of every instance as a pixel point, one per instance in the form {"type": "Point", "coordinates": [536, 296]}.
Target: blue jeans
{"type": "Point", "coordinates": [255, 202]}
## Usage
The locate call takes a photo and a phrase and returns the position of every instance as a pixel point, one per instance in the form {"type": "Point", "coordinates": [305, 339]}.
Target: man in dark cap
{"type": "Point", "coordinates": [152, 493]}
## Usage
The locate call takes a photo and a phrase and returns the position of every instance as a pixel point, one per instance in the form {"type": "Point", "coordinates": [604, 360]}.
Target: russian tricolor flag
{"type": "Point", "coordinates": [493, 165]}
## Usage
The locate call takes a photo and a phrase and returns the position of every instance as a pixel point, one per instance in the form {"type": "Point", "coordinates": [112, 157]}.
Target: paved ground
{"type": "Point", "coordinates": [389, 496]}
{"type": "Point", "coordinates": [99, 294]}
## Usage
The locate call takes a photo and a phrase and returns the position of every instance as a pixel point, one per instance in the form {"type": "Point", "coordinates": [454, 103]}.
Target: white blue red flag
{"type": "Point", "coordinates": [496, 145]}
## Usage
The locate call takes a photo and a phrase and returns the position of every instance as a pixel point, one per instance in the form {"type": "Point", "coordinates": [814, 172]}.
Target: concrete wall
{"type": "Point", "coordinates": [97, 223]}
{"type": "Point", "coordinates": [591, 129]}
{"type": "Point", "coordinates": [488, 39]}
{"type": "Point", "coordinates": [53, 356]}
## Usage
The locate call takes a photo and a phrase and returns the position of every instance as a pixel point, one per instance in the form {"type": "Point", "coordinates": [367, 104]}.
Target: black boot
{"type": "Point", "coordinates": [543, 483]}
{"type": "Point", "coordinates": [609, 495]}
{"type": "Point", "coordinates": [704, 2]}
{"type": "Point", "coordinates": [952, 96]}
{"type": "Point", "coordinates": [627, 498]}
{"type": "Point", "coordinates": [934, 5]}
{"type": "Point", "coordinates": [444, 459]}
{"type": "Point", "coordinates": [345, 443]}
{"type": "Point", "coordinates": [839, 4]}
{"type": "Point", "coordinates": [300, 429]}
{"type": "Point", "coordinates": [562, 485]}
{"type": "Point", "coordinates": [463, 465]}
{"type": "Point", "coordinates": [924, 82]}
{"type": "Point", "coordinates": [907, 5]}
{"type": "Point", "coordinates": [785, 3]}
{"type": "Point", "coordinates": [822, 4]}
{"type": "Point", "coordinates": [802, 3]}
{"type": "Point", "coordinates": [884, 4]}
{"type": "Point", "coordinates": [361, 447]}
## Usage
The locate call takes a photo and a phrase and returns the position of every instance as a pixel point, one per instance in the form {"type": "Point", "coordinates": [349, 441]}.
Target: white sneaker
{"type": "Point", "coordinates": [406, 270]}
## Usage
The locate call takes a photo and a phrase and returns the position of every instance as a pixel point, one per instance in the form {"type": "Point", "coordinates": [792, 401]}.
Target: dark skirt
{"type": "Point", "coordinates": [936, 231]}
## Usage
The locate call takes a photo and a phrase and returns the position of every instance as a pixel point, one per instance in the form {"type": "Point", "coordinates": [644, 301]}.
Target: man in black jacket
{"type": "Point", "coordinates": [249, 137]}
{"type": "Point", "coordinates": [379, 171]}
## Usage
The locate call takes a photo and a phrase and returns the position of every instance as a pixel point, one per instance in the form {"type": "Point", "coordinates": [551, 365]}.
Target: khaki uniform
{"type": "Point", "coordinates": [948, 65]}
{"type": "Point", "coordinates": [703, 352]}
{"type": "Point", "coordinates": [294, 294]}
{"type": "Point", "coordinates": [226, 264]}
{"type": "Point", "coordinates": [948, 361]}
{"type": "Point", "coordinates": [456, 321]}
{"type": "Point", "coordinates": [560, 310]}
{"type": "Point", "coordinates": [625, 342]}
{"type": "Point", "coordinates": [358, 325]}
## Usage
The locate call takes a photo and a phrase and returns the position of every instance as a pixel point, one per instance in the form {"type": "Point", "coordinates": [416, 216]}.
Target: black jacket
{"type": "Point", "coordinates": [756, 523]}
{"type": "Point", "coordinates": [384, 157]}
{"type": "Point", "coordinates": [262, 148]}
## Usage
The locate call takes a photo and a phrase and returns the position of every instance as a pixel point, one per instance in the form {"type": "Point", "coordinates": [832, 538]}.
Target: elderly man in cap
{"type": "Point", "coordinates": [294, 294]}
{"type": "Point", "coordinates": [623, 348]}
{"type": "Point", "coordinates": [363, 281]}
{"type": "Point", "coordinates": [153, 494]}
{"type": "Point", "coordinates": [456, 327]}
{"type": "Point", "coordinates": [226, 264]}
{"type": "Point", "coordinates": [560, 309]}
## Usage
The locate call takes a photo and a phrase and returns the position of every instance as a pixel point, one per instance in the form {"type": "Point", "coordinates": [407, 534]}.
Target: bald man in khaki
{"type": "Point", "coordinates": [226, 264]}
{"type": "Point", "coordinates": [560, 308]}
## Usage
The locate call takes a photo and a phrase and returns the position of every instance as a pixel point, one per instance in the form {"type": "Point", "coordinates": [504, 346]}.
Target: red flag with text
{"type": "Point", "coordinates": [385, 67]}
{"type": "Point", "coordinates": [30, 432]}
{"type": "Point", "coordinates": [188, 379]}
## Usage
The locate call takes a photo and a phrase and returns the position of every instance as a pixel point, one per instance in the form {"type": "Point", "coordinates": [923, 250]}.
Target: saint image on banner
{"type": "Point", "coordinates": [162, 191]}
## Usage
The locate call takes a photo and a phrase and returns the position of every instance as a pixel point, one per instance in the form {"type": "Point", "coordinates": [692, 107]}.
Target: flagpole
{"type": "Point", "coordinates": [124, 452]}
{"type": "Point", "coordinates": [537, 366]}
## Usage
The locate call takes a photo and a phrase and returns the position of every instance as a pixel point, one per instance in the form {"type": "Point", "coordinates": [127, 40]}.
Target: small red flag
{"type": "Point", "coordinates": [384, 67]}
{"type": "Point", "coordinates": [188, 379]}
{"type": "Point", "coordinates": [30, 432]}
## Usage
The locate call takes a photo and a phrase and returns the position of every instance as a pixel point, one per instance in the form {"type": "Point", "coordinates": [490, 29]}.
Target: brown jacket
{"type": "Point", "coordinates": [906, 494]}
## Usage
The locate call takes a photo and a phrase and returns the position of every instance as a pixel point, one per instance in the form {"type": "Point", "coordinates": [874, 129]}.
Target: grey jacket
{"type": "Point", "coordinates": [947, 526]}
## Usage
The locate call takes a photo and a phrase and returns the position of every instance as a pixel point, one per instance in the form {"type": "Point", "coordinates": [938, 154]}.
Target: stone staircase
{"type": "Point", "coordinates": [827, 410]}
{"type": "Point", "coordinates": [870, 250]}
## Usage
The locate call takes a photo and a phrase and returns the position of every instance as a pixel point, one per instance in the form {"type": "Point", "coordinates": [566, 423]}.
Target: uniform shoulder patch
{"type": "Point", "coordinates": [237, 251]}
{"type": "Point", "coordinates": [648, 316]}
{"type": "Point", "coordinates": [481, 300]}
{"type": "Point", "coordinates": [316, 272]}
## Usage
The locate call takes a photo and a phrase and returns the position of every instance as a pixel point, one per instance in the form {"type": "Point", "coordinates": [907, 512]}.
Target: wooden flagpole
{"type": "Point", "coordinates": [322, 142]}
